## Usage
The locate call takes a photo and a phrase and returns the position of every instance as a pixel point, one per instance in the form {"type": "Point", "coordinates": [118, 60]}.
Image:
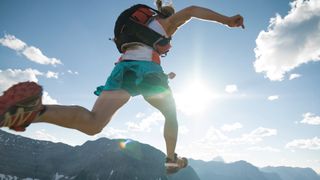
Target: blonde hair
{"type": "Point", "coordinates": [167, 10]}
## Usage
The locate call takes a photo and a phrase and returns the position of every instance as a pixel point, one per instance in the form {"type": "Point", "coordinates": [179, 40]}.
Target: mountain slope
{"type": "Point", "coordinates": [100, 159]}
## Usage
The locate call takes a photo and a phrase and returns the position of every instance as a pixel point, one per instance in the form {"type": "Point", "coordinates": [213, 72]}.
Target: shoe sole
{"type": "Point", "coordinates": [174, 167]}
{"type": "Point", "coordinates": [17, 95]}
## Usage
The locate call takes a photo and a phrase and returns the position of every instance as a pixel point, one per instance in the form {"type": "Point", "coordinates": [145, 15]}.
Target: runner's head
{"type": "Point", "coordinates": [166, 8]}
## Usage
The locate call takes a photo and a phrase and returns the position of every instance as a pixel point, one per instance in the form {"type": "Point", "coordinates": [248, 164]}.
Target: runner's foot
{"type": "Point", "coordinates": [173, 166]}
{"type": "Point", "coordinates": [20, 105]}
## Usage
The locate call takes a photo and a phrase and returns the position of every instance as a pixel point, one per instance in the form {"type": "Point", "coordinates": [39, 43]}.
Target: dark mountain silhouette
{"type": "Point", "coordinates": [101, 159]}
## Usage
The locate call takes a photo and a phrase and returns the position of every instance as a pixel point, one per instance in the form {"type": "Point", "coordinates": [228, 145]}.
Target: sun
{"type": "Point", "coordinates": [195, 98]}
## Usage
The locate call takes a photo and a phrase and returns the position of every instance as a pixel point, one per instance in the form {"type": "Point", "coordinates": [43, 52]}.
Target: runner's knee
{"type": "Point", "coordinates": [90, 125]}
{"type": "Point", "coordinates": [93, 130]}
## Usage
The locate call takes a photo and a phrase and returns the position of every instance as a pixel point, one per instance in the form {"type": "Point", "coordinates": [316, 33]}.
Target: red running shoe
{"type": "Point", "coordinates": [20, 105]}
{"type": "Point", "coordinates": [174, 165]}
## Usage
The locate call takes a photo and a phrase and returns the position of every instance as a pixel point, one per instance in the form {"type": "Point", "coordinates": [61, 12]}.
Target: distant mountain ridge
{"type": "Point", "coordinates": [242, 170]}
{"type": "Point", "coordinates": [289, 173]}
{"type": "Point", "coordinates": [27, 159]}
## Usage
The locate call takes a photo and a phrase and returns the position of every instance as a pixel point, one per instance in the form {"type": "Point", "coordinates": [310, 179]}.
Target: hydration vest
{"type": "Point", "coordinates": [132, 26]}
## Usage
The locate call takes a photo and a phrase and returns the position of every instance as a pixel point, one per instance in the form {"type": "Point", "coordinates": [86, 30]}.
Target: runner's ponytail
{"type": "Point", "coordinates": [159, 4]}
{"type": "Point", "coordinates": [167, 8]}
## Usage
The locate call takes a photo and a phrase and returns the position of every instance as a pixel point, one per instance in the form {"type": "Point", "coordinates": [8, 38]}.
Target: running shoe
{"type": "Point", "coordinates": [20, 105]}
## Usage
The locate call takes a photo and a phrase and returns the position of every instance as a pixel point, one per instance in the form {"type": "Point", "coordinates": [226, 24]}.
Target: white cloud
{"type": "Point", "coordinates": [30, 52]}
{"type": "Point", "coordinates": [294, 76]}
{"type": "Point", "coordinates": [311, 144]}
{"type": "Point", "coordinates": [51, 74]}
{"type": "Point", "coordinates": [309, 118]}
{"type": "Point", "coordinates": [263, 132]}
{"type": "Point", "coordinates": [216, 142]}
{"type": "Point", "coordinates": [273, 97]}
{"type": "Point", "coordinates": [12, 42]}
{"type": "Point", "coordinates": [145, 124]}
{"type": "Point", "coordinates": [34, 54]}
{"type": "Point", "coordinates": [265, 148]}
{"type": "Point", "coordinates": [140, 115]}
{"type": "Point", "coordinates": [45, 136]}
{"type": "Point", "coordinates": [289, 41]}
{"type": "Point", "coordinates": [114, 133]}
{"type": "Point", "coordinates": [231, 88]}
{"type": "Point", "coordinates": [73, 72]}
{"type": "Point", "coordinates": [231, 127]}
{"type": "Point", "coordinates": [216, 136]}
{"type": "Point", "coordinates": [46, 99]}
{"type": "Point", "coordinates": [12, 76]}
{"type": "Point", "coordinates": [256, 135]}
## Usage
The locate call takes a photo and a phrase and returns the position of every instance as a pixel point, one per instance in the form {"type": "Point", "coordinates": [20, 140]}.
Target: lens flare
{"type": "Point", "coordinates": [130, 148]}
{"type": "Point", "coordinates": [123, 144]}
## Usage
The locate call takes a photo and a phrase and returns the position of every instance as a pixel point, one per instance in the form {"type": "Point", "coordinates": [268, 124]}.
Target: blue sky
{"type": "Point", "coordinates": [248, 94]}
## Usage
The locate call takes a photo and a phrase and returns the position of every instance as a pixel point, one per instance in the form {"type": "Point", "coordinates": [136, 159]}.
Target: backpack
{"type": "Point", "coordinates": [132, 26]}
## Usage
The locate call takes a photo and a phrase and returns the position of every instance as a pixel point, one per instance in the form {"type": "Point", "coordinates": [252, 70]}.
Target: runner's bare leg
{"type": "Point", "coordinates": [165, 103]}
{"type": "Point", "coordinates": [88, 122]}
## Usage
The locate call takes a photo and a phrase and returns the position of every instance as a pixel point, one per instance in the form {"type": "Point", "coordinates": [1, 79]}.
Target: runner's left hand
{"type": "Point", "coordinates": [236, 21]}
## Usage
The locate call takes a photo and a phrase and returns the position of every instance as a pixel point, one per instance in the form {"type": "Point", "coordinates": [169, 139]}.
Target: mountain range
{"type": "Point", "coordinates": [242, 170]}
{"type": "Point", "coordinates": [120, 159]}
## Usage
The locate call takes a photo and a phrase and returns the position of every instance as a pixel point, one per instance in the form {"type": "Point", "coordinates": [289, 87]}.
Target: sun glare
{"type": "Point", "coordinates": [195, 98]}
{"type": "Point", "coordinates": [123, 144]}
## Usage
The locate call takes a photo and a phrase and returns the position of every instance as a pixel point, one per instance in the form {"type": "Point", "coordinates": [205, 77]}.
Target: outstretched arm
{"type": "Point", "coordinates": [172, 23]}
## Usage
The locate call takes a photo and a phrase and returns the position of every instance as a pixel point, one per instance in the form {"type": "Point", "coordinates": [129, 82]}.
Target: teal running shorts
{"type": "Point", "coordinates": [137, 78]}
